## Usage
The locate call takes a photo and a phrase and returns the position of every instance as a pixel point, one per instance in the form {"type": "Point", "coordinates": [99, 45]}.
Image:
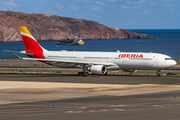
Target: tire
{"type": "Point", "coordinates": [158, 75]}
{"type": "Point", "coordinates": [80, 74]}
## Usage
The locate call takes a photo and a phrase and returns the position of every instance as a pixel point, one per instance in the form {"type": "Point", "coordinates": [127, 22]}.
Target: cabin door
{"type": "Point", "coordinates": [156, 59]}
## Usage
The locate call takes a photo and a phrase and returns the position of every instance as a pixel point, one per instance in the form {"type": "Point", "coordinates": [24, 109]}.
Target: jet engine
{"type": "Point", "coordinates": [97, 69]}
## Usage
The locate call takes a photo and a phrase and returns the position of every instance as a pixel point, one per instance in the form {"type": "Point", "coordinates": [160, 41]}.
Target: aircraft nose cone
{"type": "Point", "coordinates": [171, 63]}
{"type": "Point", "coordinates": [174, 62]}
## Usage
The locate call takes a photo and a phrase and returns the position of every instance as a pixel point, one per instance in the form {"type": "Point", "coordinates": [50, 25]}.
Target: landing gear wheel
{"type": "Point", "coordinates": [80, 73]}
{"type": "Point", "coordinates": [83, 73]}
{"type": "Point", "coordinates": [87, 73]}
{"type": "Point", "coordinates": [158, 73]}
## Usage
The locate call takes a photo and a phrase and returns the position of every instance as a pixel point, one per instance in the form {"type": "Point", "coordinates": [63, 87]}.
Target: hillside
{"type": "Point", "coordinates": [52, 27]}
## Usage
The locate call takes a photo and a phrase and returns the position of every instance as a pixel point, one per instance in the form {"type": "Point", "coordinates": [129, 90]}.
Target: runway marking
{"type": "Point", "coordinates": [92, 110]}
{"type": "Point", "coordinates": [118, 106]}
{"type": "Point", "coordinates": [118, 109]}
{"type": "Point", "coordinates": [133, 86]}
{"type": "Point", "coordinates": [170, 105]}
{"type": "Point", "coordinates": [128, 107]}
{"type": "Point", "coordinates": [105, 110]}
{"type": "Point", "coordinates": [158, 106]}
{"type": "Point", "coordinates": [73, 112]}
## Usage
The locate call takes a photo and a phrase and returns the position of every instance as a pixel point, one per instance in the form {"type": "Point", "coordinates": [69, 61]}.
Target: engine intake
{"type": "Point", "coordinates": [97, 69]}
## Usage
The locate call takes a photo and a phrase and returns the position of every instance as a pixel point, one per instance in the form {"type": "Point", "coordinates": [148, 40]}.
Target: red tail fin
{"type": "Point", "coordinates": [31, 44]}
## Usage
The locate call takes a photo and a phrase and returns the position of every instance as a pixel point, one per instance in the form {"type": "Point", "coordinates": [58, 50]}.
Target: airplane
{"type": "Point", "coordinates": [95, 62]}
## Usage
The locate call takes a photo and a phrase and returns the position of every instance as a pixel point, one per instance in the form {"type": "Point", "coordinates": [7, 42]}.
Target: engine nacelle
{"type": "Point", "coordinates": [97, 69]}
{"type": "Point", "coordinates": [133, 71]}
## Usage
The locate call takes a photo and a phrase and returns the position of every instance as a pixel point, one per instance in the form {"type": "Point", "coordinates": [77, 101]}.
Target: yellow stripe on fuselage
{"type": "Point", "coordinates": [25, 30]}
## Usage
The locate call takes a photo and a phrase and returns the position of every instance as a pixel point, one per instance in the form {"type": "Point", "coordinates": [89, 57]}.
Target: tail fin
{"type": "Point", "coordinates": [31, 44]}
{"type": "Point", "coordinates": [29, 41]}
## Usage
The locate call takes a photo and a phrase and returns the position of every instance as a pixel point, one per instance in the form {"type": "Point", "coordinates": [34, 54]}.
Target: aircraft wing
{"type": "Point", "coordinates": [67, 61]}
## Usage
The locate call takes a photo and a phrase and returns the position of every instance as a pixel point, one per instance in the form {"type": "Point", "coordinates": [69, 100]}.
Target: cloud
{"type": "Point", "coordinates": [133, 4]}
{"type": "Point", "coordinates": [72, 7]}
{"type": "Point", "coordinates": [136, 7]}
{"type": "Point", "coordinates": [83, 0]}
{"type": "Point", "coordinates": [95, 8]}
{"type": "Point", "coordinates": [99, 3]}
{"type": "Point", "coordinates": [167, 5]}
{"type": "Point", "coordinates": [9, 4]}
{"type": "Point", "coordinates": [125, 7]}
{"type": "Point", "coordinates": [128, 7]}
{"type": "Point", "coordinates": [59, 6]}
{"type": "Point", "coordinates": [111, 1]}
{"type": "Point", "coordinates": [136, 1]}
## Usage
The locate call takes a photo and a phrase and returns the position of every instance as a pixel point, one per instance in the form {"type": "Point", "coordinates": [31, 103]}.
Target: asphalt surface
{"type": "Point", "coordinates": [162, 103]}
{"type": "Point", "coordinates": [151, 103]}
{"type": "Point", "coordinates": [158, 105]}
{"type": "Point", "coordinates": [98, 79]}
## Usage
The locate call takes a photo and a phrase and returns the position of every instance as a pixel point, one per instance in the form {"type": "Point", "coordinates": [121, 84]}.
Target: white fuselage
{"type": "Point", "coordinates": [95, 62]}
{"type": "Point", "coordinates": [121, 60]}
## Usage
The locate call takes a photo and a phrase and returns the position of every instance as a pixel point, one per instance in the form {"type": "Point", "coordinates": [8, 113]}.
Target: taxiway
{"type": "Point", "coordinates": [69, 96]}
{"type": "Point", "coordinates": [41, 96]}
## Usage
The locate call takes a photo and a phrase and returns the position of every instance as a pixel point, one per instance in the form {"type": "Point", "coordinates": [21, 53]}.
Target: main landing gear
{"type": "Point", "coordinates": [84, 73]}
{"type": "Point", "coordinates": [158, 73]}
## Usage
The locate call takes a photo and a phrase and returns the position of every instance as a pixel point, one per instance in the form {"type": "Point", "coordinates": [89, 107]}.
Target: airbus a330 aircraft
{"type": "Point", "coordinates": [95, 62]}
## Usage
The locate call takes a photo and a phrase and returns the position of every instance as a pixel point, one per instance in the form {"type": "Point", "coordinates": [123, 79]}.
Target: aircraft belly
{"type": "Point", "coordinates": [140, 64]}
{"type": "Point", "coordinates": [65, 65]}
{"type": "Point", "coordinates": [113, 67]}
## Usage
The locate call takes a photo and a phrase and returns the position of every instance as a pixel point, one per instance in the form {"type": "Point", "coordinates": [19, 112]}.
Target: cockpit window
{"type": "Point", "coordinates": [168, 58]}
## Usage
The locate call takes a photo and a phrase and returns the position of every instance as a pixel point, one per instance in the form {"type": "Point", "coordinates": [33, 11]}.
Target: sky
{"type": "Point", "coordinates": [125, 14]}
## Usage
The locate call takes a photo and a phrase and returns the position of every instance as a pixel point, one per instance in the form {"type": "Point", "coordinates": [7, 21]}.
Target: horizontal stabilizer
{"type": "Point", "coordinates": [27, 54]}
{"type": "Point", "coordinates": [16, 56]}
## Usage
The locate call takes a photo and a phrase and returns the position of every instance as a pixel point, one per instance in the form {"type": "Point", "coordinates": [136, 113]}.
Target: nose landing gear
{"type": "Point", "coordinates": [158, 73]}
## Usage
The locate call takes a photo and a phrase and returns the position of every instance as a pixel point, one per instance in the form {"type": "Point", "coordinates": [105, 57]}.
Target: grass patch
{"type": "Point", "coordinates": [170, 73]}
{"type": "Point", "coordinates": [75, 73]}
{"type": "Point", "coordinates": [131, 74]}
